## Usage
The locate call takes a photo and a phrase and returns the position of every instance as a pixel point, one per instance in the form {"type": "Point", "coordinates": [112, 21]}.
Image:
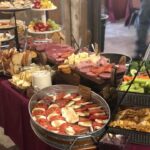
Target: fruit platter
{"type": "Point", "coordinates": [6, 37]}
{"type": "Point", "coordinates": [43, 5]}
{"type": "Point", "coordinates": [38, 27]}
{"type": "Point", "coordinates": [61, 112]}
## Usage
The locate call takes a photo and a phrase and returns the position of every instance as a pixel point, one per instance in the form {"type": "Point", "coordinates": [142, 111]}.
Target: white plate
{"type": "Point", "coordinates": [6, 26]}
{"type": "Point", "coordinates": [45, 32]}
{"type": "Point", "coordinates": [14, 9]}
{"type": "Point", "coordinates": [10, 37]}
{"type": "Point", "coordinates": [46, 9]}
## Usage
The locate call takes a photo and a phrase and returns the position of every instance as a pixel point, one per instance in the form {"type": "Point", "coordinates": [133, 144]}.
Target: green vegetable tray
{"type": "Point", "coordinates": [134, 99]}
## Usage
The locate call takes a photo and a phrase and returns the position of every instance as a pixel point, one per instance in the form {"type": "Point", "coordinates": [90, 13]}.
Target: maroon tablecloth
{"type": "Point", "coordinates": [14, 117]}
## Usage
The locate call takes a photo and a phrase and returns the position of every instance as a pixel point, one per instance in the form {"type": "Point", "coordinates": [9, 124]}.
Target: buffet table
{"type": "Point", "coordinates": [15, 119]}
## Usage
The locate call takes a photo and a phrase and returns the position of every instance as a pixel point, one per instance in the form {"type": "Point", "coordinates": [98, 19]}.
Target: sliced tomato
{"type": "Point", "coordinates": [51, 128]}
{"type": "Point", "coordinates": [82, 119]}
{"type": "Point", "coordinates": [38, 112]}
{"type": "Point", "coordinates": [79, 129]}
{"type": "Point", "coordinates": [44, 123]}
{"type": "Point", "coordinates": [95, 124]}
{"type": "Point", "coordinates": [80, 102]}
{"type": "Point", "coordinates": [96, 111]}
{"type": "Point", "coordinates": [91, 105]}
{"type": "Point", "coordinates": [57, 110]}
{"type": "Point", "coordinates": [63, 127]}
{"type": "Point", "coordinates": [41, 105]}
{"type": "Point", "coordinates": [63, 102]}
{"type": "Point", "coordinates": [41, 120]}
{"type": "Point", "coordinates": [81, 109]}
{"type": "Point", "coordinates": [56, 118]}
{"type": "Point", "coordinates": [102, 117]}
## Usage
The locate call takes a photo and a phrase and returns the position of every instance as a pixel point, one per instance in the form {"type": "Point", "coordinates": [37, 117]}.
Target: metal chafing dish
{"type": "Point", "coordinates": [64, 141]}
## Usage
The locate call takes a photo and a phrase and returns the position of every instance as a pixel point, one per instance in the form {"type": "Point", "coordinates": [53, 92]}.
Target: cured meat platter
{"type": "Point", "coordinates": [109, 68]}
{"type": "Point", "coordinates": [60, 115]}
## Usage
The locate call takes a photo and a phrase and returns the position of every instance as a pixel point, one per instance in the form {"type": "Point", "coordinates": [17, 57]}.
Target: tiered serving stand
{"type": "Point", "coordinates": [43, 15]}
{"type": "Point", "coordinates": [13, 11]}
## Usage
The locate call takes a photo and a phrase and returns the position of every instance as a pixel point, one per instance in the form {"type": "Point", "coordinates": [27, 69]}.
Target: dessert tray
{"type": "Point", "coordinates": [16, 5]}
{"type": "Point", "coordinates": [6, 24]}
{"type": "Point", "coordinates": [6, 37]}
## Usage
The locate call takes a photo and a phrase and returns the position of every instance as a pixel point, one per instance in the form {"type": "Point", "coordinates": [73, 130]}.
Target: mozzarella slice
{"type": "Point", "coordinates": [76, 106]}
{"type": "Point", "coordinates": [53, 105]}
{"type": "Point", "coordinates": [105, 121]}
{"type": "Point", "coordinates": [82, 114]}
{"type": "Point", "coordinates": [41, 101]}
{"type": "Point", "coordinates": [77, 98]}
{"type": "Point", "coordinates": [99, 114]}
{"type": "Point", "coordinates": [36, 109]}
{"type": "Point", "coordinates": [53, 96]}
{"type": "Point", "coordinates": [98, 121]}
{"type": "Point", "coordinates": [55, 131]}
{"type": "Point", "coordinates": [38, 117]}
{"type": "Point", "coordinates": [57, 123]}
{"type": "Point", "coordinates": [86, 103]}
{"type": "Point", "coordinates": [70, 115]}
{"type": "Point", "coordinates": [93, 108]}
{"type": "Point", "coordinates": [70, 103]}
{"type": "Point", "coordinates": [34, 118]}
{"type": "Point", "coordinates": [85, 123]}
{"type": "Point", "coordinates": [97, 127]}
{"type": "Point", "coordinates": [69, 130]}
{"type": "Point", "coordinates": [41, 117]}
{"type": "Point", "coordinates": [52, 115]}
{"type": "Point", "coordinates": [67, 95]}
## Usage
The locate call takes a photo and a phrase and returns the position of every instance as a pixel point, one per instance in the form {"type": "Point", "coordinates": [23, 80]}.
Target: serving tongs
{"type": "Point", "coordinates": [95, 49]}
